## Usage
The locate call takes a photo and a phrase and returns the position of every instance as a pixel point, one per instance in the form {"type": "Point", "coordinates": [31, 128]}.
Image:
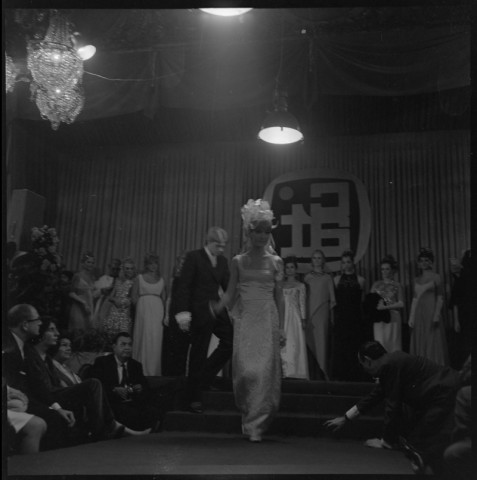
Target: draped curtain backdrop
{"type": "Point", "coordinates": [121, 202]}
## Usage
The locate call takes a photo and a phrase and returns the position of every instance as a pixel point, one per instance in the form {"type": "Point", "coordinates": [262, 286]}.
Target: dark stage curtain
{"type": "Point", "coordinates": [127, 201]}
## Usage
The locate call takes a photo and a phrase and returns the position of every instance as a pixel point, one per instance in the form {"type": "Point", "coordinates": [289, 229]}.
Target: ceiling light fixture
{"type": "Point", "coordinates": [280, 126]}
{"type": "Point", "coordinates": [226, 12]}
{"type": "Point", "coordinates": [85, 50]}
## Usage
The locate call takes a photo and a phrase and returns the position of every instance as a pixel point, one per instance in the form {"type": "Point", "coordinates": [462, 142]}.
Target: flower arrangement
{"type": "Point", "coordinates": [45, 245]}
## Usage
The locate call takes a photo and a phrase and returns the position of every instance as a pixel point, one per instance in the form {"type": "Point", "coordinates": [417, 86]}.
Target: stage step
{"type": "Point", "coordinates": [304, 407]}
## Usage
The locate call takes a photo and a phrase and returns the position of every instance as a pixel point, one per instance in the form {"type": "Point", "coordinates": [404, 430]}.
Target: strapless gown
{"type": "Point", "coordinates": [256, 369]}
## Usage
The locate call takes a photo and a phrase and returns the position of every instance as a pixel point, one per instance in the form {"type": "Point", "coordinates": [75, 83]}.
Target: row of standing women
{"type": "Point", "coordinates": [122, 301]}
{"type": "Point", "coordinates": [333, 325]}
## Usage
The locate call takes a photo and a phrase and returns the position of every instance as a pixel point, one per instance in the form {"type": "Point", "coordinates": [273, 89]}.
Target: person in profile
{"type": "Point", "coordinates": [203, 274]}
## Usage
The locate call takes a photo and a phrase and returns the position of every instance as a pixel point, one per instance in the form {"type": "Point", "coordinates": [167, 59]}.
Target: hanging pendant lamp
{"type": "Point", "coordinates": [280, 126]}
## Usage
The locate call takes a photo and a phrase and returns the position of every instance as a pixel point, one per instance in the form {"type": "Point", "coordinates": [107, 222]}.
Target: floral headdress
{"type": "Point", "coordinates": [256, 211]}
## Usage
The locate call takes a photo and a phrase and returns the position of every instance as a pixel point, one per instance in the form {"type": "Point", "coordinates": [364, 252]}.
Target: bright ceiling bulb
{"type": "Point", "coordinates": [226, 12]}
{"type": "Point", "coordinates": [86, 52]}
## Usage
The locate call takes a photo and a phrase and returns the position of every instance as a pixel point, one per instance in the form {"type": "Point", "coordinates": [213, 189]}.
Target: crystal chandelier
{"type": "Point", "coordinates": [58, 107]}
{"type": "Point", "coordinates": [57, 71]}
{"type": "Point", "coordinates": [10, 74]}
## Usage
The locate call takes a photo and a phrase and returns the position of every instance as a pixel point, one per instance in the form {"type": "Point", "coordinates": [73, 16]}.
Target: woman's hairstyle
{"type": "Point", "coordinates": [373, 350]}
{"type": "Point", "coordinates": [46, 321]}
{"type": "Point", "coordinates": [290, 259]}
{"type": "Point", "coordinates": [53, 350]}
{"type": "Point", "coordinates": [126, 261]}
{"type": "Point", "coordinates": [255, 212]}
{"type": "Point", "coordinates": [426, 252]}
{"type": "Point", "coordinates": [389, 259]}
{"type": "Point", "coordinates": [348, 253]}
{"type": "Point", "coordinates": [319, 251]}
{"type": "Point", "coordinates": [86, 256]}
{"type": "Point", "coordinates": [151, 257]}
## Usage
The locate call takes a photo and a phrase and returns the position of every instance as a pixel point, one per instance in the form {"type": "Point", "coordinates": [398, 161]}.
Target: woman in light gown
{"type": "Point", "coordinates": [389, 335]}
{"type": "Point", "coordinates": [321, 301]}
{"type": "Point", "coordinates": [83, 293]}
{"type": "Point", "coordinates": [148, 293]}
{"type": "Point", "coordinates": [118, 318]}
{"type": "Point", "coordinates": [293, 353]}
{"type": "Point", "coordinates": [428, 337]}
{"type": "Point", "coordinates": [257, 314]}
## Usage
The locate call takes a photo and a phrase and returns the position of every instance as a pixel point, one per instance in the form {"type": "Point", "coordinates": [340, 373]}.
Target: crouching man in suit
{"type": "Point", "coordinates": [129, 394]}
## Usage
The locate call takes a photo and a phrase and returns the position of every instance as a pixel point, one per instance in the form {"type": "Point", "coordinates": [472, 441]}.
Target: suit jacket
{"type": "Point", "coordinates": [411, 380]}
{"type": "Point", "coordinates": [13, 364]}
{"type": "Point", "coordinates": [43, 381]}
{"type": "Point", "coordinates": [199, 283]}
{"type": "Point", "coordinates": [105, 369]}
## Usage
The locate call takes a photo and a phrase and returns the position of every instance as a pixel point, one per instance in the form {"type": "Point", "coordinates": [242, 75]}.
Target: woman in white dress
{"type": "Point", "coordinates": [389, 335]}
{"type": "Point", "coordinates": [148, 294]}
{"type": "Point", "coordinates": [293, 353]}
{"type": "Point", "coordinates": [258, 316]}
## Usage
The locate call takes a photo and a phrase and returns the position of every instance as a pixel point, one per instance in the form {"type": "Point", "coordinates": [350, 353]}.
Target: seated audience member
{"type": "Point", "coordinates": [23, 325]}
{"type": "Point", "coordinates": [460, 463]}
{"type": "Point", "coordinates": [427, 388]}
{"type": "Point", "coordinates": [29, 429]}
{"type": "Point", "coordinates": [126, 386]}
{"type": "Point", "coordinates": [61, 353]}
{"type": "Point", "coordinates": [88, 395]}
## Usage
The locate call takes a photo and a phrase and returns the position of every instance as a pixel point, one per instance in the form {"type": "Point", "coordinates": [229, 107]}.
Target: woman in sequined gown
{"type": "Point", "coordinates": [321, 301]}
{"type": "Point", "coordinates": [428, 337]}
{"type": "Point", "coordinates": [147, 294]}
{"type": "Point", "coordinates": [257, 313]}
{"type": "Point", "coordinates": [389, 335]}
{"type": "Point", "coordinates": [293, 353]}
{"type": "Point", "coordinates": [348, 329]}
{"type": "Point", "coordinates": [118, 318]}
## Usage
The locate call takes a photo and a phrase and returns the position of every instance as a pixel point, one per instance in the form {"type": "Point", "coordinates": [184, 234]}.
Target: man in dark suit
{"type": "Point", "coordinates": [24, 324]}
{"type": "Point", "coordinates": [405, 380]}
{"type": "Point", "coordinates": [203, 273]}
{"type": "Point", "coordinates": [127, 389]}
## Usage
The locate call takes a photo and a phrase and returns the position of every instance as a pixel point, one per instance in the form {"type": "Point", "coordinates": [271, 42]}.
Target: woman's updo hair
{"type": "Point", "coordinates": [46, 321]}
{"type": "Point", "coordinates": [390, 260]}
{"type": "Point", "coordinates": [88, 255]}
{"type": "Point", "coordinates": [290, 259]}
{"type": "Point", "coordinates": [151, 257]}
{"type": "Point", "coordinates": [348, 253]}
{"type": "Point", "coordinates": [426, 252]}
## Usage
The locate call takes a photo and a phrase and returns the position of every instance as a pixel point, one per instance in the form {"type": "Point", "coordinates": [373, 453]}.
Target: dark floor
{"type": "Point", "coordinates": [177, 453]}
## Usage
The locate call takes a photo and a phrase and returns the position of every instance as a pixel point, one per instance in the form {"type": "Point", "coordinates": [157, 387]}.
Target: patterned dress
{"type": "Point", "coordinates": [80, 320]}
{"type": "Point", "coordinates": [148, 327]}
{"type": "Point", "coordinates": [389, 334]}
{"type": "Point", "coordinates": [256, 369]}
{"type": "Point", "coordinates": [293, 353]}
{"type": "Point", "coordinates": [118, 318]}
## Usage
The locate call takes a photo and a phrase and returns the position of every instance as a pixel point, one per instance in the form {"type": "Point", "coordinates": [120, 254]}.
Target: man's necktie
{"type": "Point", "coordinates": [124, 380]}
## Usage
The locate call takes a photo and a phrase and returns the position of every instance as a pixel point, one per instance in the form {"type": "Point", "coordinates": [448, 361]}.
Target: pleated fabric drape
{"type": "Point", "coordinates": [121, 202]}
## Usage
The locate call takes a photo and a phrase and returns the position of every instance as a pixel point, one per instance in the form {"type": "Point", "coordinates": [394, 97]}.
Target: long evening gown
{"type": "Point", "coordinates": [148, 327]}
{"type": "Point", "coordinates": [349, 329]}
{"type": "Point", "coordinates": [389, 335]}
{"type": "Point", "coordinates": [428, 339]}
{"type": "Point", "coordinates": [321, 295]}
{"type": "Point", "coordinates": [293, 353]}
{"type": "Point", "coordinates": [256, 369]}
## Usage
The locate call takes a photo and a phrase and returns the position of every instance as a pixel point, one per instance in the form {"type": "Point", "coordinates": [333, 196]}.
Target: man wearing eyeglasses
{"type": "Point", "coordinates": [23, 324]}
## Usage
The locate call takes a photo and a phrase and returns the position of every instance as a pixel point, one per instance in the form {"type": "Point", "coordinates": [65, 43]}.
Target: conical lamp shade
{"type": "Point", "coordinates": [280, 127]}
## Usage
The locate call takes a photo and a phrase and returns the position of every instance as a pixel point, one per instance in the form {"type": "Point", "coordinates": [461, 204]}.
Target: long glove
{"type": "Point", "coordinates": [410, 322]}
{"type": "Point", "coordinates": [437, 311]}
